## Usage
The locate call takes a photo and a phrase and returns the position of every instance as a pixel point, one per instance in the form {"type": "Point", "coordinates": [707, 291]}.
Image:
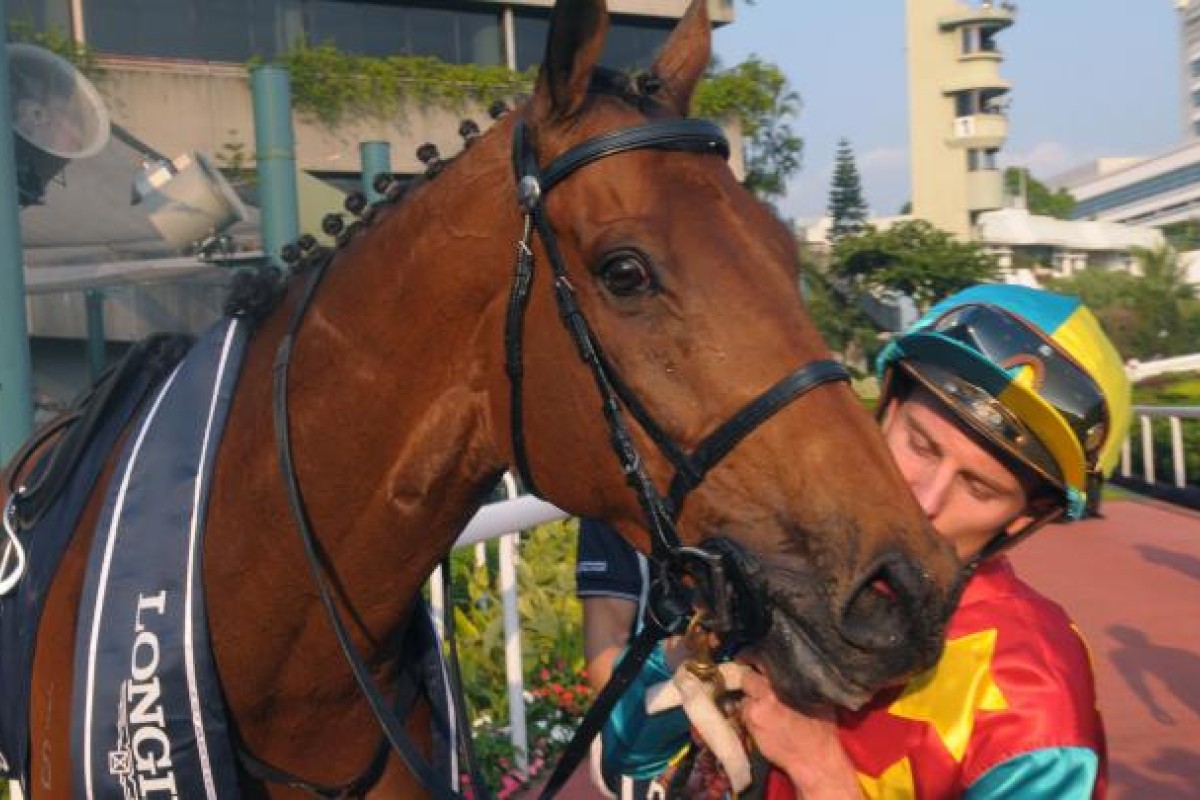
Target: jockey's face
{"type": "Point", "coordinates": [967, 493]}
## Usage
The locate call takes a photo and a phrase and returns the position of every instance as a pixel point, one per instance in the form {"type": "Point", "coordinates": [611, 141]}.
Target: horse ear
{"type": "Point", "coordinates": [573, 48]}
{"type": "Point", "coordinates": [684, 57]}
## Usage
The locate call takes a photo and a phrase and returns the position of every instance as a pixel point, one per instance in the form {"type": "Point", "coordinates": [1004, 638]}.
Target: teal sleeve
{"type": "Point", "coordinates": [635, 743]}
{"type": "Point", "coordinates": [1055, 773]}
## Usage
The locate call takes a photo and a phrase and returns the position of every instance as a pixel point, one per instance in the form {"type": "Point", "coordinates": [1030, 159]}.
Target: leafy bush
{"type": "Point", "coordinates": [552, 644]}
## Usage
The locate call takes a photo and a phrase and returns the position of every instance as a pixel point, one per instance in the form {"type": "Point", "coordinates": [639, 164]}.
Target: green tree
{"type": "Point", "coordinates": [843, 326]}
{"type": "Point", "coordinates": [1151, 314]}
{"type": "Point", "coordinates": [757, 94]}
{"type": "Point", "coordinates": [1039, 199]}
{"type": "Point", "coordinates": [847, 207]}
{"type": "Point", "coordinates": [913, 258]}
{"type": "Point", "coordinates": [1183, 236]}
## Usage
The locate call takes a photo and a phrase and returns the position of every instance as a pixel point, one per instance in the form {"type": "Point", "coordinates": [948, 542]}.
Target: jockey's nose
{"type": "Point", "coordinates": [886, 607]}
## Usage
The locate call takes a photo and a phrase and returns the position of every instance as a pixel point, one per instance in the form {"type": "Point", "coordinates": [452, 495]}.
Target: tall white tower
{"type": "Point", "coordinates": [957, 105]}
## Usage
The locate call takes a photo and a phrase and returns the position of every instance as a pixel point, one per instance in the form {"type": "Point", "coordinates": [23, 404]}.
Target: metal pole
{"type": "Point", "coordinates": [16, 369]}
{"type": "Point", "coordinates": [513, 668]}
{"type": "Point", "coordinates": [275, 146]}
{"type": "Point", "coordinates": [97, 348]}
{"type": "Point", "coordinates": [376, 157]}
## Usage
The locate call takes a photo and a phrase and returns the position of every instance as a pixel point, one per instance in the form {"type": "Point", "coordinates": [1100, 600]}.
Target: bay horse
{"type": "Point", "coordinates": [401, 422]}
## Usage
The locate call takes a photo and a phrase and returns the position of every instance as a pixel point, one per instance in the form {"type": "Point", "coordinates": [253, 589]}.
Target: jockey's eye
{"type": "Point", "coordinates": [626, 273]}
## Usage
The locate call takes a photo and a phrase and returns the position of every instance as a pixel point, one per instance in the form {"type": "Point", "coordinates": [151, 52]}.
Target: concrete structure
{"type": "Point", "coordinates": [1032, 248]}
{"type": "Point", "coordinates": [957, 103]}
{"type": "Point", "coordinates": [1149, 191]}
{"type": "Point", "coordinates": [178, 80]}
{"type": "Point", "coordinates": [175, 81]}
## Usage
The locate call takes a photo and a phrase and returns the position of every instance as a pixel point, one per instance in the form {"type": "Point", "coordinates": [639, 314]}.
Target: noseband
{"type": "Point", "coordinates": [730, 614]}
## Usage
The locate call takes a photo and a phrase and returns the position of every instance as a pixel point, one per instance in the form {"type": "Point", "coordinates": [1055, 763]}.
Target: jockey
{"type": "Point", "coordinates": [1005, 408]}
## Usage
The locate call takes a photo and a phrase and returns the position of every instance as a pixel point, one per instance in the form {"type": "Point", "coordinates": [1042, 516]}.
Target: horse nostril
{"type": "Point", "coordinates": [880, 609]}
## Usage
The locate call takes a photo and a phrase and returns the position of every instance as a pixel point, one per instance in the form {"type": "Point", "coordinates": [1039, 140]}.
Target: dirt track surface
{"type": "Point", "coordinates": [1132, 583]}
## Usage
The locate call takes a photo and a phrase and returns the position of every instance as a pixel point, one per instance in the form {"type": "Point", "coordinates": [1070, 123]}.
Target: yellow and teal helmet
{"type": "Point", "coordinates": [1029, 370]}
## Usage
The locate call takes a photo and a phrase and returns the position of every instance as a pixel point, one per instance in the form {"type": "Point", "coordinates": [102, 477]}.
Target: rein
{"type": "Point", "coordinates": [713, 575]}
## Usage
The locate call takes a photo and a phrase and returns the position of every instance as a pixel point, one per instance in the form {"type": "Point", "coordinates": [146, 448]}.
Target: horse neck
{"type": "Point", "coordinates": [393, 382]}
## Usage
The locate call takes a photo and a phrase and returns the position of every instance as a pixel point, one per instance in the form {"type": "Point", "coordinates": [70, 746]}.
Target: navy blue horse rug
{"type": "Point", "coordinates": [149, 719]}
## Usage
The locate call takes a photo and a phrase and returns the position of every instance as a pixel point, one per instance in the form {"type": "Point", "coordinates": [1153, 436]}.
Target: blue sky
{"type": "Point", "coordinates": [1090, 78]}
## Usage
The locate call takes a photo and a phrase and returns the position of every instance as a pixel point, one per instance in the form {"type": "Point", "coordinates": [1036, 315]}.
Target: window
{"type": "Point", "coordinates": [207, 30]}
{"type": "Point", "coordinates": [531, 29]}
{"type": "Point", "coordinates": [968, 40]}
{"type": "Point", "coordinates": [236, 30]}
{"type": "Point", "coordinates": [981, 160]}
{"type": "Point", "coordinates": [632, 42]}
{"type": "Point", "coordinates": [1196, 68]}
{"type": "Point", "coordinates": [383, 29]}
{"type": "Point", "coordinates": [964, 104]}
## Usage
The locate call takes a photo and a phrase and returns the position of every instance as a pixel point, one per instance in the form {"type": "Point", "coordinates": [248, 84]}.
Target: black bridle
{"type": "Point", "coordinates": [711, 576]}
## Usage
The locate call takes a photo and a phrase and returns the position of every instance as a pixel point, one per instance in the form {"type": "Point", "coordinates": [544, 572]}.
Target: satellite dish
{"type": "Point", "coordinates": [188, 200]}
{"type": "Point", "coordinates": [57, 116]}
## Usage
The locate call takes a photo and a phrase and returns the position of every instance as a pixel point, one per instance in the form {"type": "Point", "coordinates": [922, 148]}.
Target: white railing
{"type": "Point", "coordinates": [1175, 416]}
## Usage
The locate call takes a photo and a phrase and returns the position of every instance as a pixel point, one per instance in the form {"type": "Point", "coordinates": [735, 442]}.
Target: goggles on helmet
{"type": "Point", "coordinates": [1035, 363]}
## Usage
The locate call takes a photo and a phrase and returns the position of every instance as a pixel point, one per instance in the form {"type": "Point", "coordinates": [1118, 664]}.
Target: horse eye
{"type": "Point", "coordinates": [626, 274]}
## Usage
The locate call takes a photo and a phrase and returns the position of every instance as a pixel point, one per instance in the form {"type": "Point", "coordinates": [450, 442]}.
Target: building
{"type": "Point", "coordinates": [175, 80]}
{"type": "Point", "coordinates": [1031, 248]}
{"type": "Point", "coordinates": [1161, 189]}
{"type": "Point", "coordinates": [1189, 66]}
{"type": "Point", "coordinates": [175, 70]}
{"type": "Point", "coordinates": [957, 104]}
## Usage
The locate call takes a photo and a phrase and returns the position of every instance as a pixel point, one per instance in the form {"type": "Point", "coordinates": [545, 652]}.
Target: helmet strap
{"type": "Point", "coordinates": [1004, 540]}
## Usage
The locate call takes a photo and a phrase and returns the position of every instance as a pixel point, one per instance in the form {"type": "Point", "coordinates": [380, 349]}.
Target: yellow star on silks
{"type": "Point", "coordinates": [948, 695]}
{"type": "Point", "coordinates": [896, 783]}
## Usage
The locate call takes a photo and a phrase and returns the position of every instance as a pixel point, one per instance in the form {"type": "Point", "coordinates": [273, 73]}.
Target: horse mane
{"type": "Point", "coordinates": [255, 293]}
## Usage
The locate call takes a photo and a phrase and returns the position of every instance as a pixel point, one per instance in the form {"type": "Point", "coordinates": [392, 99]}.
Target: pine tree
{"type": "Point", "coordinates": [847, 207]}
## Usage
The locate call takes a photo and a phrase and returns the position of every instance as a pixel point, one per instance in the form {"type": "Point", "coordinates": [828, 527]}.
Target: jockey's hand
{"type": "Point", "coordinates": [804, 746]}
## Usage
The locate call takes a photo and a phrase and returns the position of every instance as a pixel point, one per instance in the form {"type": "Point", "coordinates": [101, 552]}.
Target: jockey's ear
{"type": "Point", "coordinates": [684, 57]}
{"type": "Point", "coordinates": [573, 47]}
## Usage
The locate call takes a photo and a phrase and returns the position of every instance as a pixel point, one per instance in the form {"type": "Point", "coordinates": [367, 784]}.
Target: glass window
{"type": "Point", "coordinates": [142, 27]}
{"type": "Point", "coordinates": [207, 30]}
{"type": "Point", "coordinates": [981, 160]}
{"type": "Point", "coordinates": [968, 40]}
{"type": "Point", "coordinates": [235, 30]}
{"type": "Point", "coordinates": [531, 29]}
{"type": "Point", "coordinates": [1196, 68]}
{"type": "Point", "coordinates": [964, 104]}
{"type": "Point", "coordinates": [632, 43]}
{"type": "Point", "coordinates": [383, 29]}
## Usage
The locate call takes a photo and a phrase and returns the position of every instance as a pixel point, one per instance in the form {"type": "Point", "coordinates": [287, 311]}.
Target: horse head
{"type": "Point", "coordinates": [687, 285]}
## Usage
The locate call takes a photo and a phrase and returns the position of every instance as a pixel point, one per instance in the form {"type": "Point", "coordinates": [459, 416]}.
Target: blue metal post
{"type": "Point", "coordinates": [376, 157]}
{"type": "Point", "coordinates": [275, 147]}
{"type": "Point", "coordinates": [97, 343]}
{"type": "Point", "coordinates": [16, 370]}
